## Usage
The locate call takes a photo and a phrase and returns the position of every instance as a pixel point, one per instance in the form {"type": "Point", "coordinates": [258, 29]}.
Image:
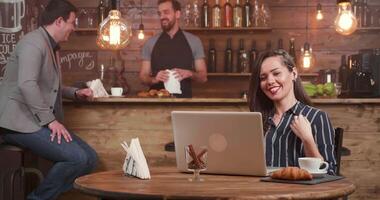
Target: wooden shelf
{"type": "Point", "coordinates": [367, 29]}
{"type": "Point", "coordinates": [228, 29]}
{"type": "Point", "coordinates": [249, 74]}
{"type": "Point", "coordinates": [229, 74]}
{"type": "Point", "coordinates": [86, 30]}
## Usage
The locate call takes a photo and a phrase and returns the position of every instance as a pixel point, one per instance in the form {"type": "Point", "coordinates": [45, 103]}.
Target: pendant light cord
{"type": "Point", "coordinates": [307, 21]}
{"type": "Point", "coordinates": [141, 12]}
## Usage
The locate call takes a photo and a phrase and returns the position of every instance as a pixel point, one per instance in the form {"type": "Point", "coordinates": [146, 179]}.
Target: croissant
{"type": "Point", "coordinates": [292, 173]}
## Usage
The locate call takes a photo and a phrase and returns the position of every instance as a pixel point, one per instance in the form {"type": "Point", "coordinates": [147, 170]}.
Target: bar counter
{"type": "Point", "coordinates": [105, 122]}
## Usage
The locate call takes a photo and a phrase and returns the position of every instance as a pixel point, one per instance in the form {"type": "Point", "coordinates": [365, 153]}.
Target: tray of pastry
{"type": "Point", "coordinates": [153, 93]}
{"type": "Point", "coordinates": [295, 175]}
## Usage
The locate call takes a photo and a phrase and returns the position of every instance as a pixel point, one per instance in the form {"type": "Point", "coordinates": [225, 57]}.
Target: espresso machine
{"type": "Point", "coordinates": [364, 74]}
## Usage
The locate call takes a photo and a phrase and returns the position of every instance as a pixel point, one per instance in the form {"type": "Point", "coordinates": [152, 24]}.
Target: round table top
{"type": "Point", "coordinates": [168, 183]}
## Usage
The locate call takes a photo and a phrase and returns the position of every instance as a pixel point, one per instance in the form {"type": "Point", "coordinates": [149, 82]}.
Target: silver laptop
{"type": "Point", "coordinates": [234, 139]}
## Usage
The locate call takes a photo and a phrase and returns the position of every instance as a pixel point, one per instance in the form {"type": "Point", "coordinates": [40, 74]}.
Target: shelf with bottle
{"type": "Point", "coordinates": [230, 74]}
{"type": "Point", "coordinates": [368, 29]}
{"type": "Point", "coordinates": [85, 29]}
{"type": "Point", "coordinates": [227, 29]}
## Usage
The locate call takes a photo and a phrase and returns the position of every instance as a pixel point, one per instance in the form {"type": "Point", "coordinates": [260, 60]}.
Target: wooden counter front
{"type": "Point", "coordinates": [106, 122]}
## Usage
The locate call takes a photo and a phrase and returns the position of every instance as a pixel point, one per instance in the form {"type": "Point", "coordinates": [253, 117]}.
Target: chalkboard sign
{"type": "Point", "coordinates": [78, 60]}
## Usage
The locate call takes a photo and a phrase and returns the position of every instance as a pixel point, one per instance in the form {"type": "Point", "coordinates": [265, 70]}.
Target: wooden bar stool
{"type": "Point", "coordinates": [18, 169]}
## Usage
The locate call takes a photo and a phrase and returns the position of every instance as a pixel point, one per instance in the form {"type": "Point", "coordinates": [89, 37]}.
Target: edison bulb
{"type": "Point", "coordinates": [319, 12]}
{"type": "Point", "coordinates": [114, 32]}
{"type": "Point", "coordinates": [345, 22]}
{"type": "Point", "coordinates": [141, 35]}
{"type": "Point", "coordinates": [307, 56]}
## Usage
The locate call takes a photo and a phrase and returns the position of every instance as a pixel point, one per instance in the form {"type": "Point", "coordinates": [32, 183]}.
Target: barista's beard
{"type": "Point", "coordinates": [167, 27]}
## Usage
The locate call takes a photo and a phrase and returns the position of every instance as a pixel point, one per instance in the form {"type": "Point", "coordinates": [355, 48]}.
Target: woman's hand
{"type": "Point", "coordinates": [302, 128]}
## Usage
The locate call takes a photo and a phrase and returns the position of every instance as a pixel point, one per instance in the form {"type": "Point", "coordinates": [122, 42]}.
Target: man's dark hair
{"type": "Point", "coordinates": [175, 4]}
{"type": "Point", "coordinates": [56, 9]}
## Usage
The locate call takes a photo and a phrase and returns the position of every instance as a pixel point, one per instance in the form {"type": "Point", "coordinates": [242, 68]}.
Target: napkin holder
{"type": "Point", "coordinates": [135, 163]}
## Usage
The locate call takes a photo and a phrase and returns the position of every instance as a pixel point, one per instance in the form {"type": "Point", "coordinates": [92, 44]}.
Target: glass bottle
{"type": "Point", "coordinates": [228, 56]}
{"type": "Point", "coordinates": [256, 14]}
{"type": "Point", "coordinates": [196, 14]}
{"type": "Point", "coordinates": [355, 10]}
{"type": "Point", "coordinates": [268, 45]}
{"type": "Point", "coordinates": [343, 75]}
{"type": "Point", "coordinates": [211, 65]}
{"type": "Point", "coordinates": [292, 50]}
{"type": "Point", "coordinates": [102, 11]}
{"type": "Point", "coordinates": [364, 14]}
{"type": "Point", "coordinates": [216, 15]}
{"type": "Point", "coordinates": [187, 16]}
{"type": "Point", "coordinates": [280, 44]}
{"type": "Point", "coordinates": [265, 15]}
{"type": "Point", "coordinates": [205, 19]}
{"type": "Point", "coordinates": [238, 14]}
{"type": "Point", "coordinates": [227, 14]}
{"type": "Point", "coordinates": [253, 55]}
{"type": "Point", "coordinates": [240, 57]}
{"type": "Point", "coordinates": [247, 12]}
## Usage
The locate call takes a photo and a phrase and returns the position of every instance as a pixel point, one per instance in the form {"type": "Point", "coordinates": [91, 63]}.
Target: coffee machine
{"type": "Point", "coordinates": [364, 74]}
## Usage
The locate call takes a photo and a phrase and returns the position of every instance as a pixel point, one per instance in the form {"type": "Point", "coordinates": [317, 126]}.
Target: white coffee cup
{"type": "Point", "coordinates": [313, 165]}
{"type": "Point", "coordinates": [116, 91]}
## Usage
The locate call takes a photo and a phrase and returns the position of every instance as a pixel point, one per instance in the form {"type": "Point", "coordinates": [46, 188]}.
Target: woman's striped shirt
{"type": "Point", "coordinates": [283, 147]}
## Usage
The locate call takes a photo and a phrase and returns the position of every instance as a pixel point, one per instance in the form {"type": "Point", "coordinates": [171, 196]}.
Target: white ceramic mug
{"type": "Point", "coordinates": [313, 165]}
{"type": "Point", "coordinates": [116, 91]}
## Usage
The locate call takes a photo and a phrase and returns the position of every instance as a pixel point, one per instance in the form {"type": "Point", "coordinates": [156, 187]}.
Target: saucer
{"type": "Point", "coordinates": [318, 174]}
{"type": "Point", "coordinates": [116, 96]}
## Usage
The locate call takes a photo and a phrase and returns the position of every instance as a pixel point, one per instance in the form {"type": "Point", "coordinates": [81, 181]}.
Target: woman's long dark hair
{"type": "Point", "coordinates": [257, 100]}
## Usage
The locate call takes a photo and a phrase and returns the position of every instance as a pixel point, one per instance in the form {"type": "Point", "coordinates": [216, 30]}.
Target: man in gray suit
{"type": "Point", "coordinates": [31, 102]}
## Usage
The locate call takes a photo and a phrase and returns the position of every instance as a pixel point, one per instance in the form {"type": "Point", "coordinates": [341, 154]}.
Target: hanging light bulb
{"type": "Point", "coordinates": [307, 56]}
{"type": "Point", "coordinates": [345, 23]}
{"type": "Point", "coordinates": [319, 12]}
{"type": "Point", "coordinates": [141, 35]}
{"type": "Point", "coordinates": [114, 32]}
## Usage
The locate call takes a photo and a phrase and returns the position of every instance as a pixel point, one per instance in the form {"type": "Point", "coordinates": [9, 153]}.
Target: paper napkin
{"type": "Point", "coordinates": [97, 88]}
{"type": "Point", "coordinates": [172, 84]}
{"type": "Point", "coordinates": [135, 163]}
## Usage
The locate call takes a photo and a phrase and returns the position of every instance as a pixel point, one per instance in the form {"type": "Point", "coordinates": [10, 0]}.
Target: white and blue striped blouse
{"type": "Point", "coordinates": [283, 147]}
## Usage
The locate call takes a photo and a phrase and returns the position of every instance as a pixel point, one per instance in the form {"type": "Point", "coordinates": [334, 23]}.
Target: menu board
{"type": "Point", "coordinates": [78, 60]}
{"type": "Point", "coordinates": [17, 18]}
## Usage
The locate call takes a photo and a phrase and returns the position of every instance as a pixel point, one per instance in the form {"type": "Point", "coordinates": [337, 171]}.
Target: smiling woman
{"type": "Point", "coordinates": [293, 129]}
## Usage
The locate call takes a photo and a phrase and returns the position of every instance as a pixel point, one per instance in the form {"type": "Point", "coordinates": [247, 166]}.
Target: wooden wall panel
{"type": "Point", "coordinates": [105, 125]}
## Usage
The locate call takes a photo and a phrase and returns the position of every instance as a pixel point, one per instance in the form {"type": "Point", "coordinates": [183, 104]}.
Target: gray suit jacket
{"type": "Point", "coordinates": [31, 91]}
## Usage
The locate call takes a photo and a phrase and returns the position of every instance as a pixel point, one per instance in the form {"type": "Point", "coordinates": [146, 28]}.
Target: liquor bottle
{"type": "Point", "coordinates": [280, 44]}
{"type": "Point", "coordinates": [343, 75]}
{"type": "Point", "coordinates": [364, 11]}
{"type": "Point", "coordinates": [247, 13]}
{"type": "Point", "coordinates": [253, 55]}
{"type": "Point", "coordinates": [196, 14]}
{"type": "Point", "coordinates": [227, 14]}
{"type": "Point", "coordinates": [242, 62]}
{"type": "Point", "coordinates": [292, 50]}
{"type": "Point", "coordinates": [211, 65]}
{"type": "Point", "coordinates": [360, 12]}
{"type": "Point", "coordinates": [355, 10]}
{"type": "Point", "coordinates": [268, 46]}
{"type": "Point", "coordinates": [228, 57]}
{"type": "Point", "coordinates": [216, 15]}
{"type": "Point", "coordinates": [238, 14]}
{"type": "Point", "coordinates": [205, 14]}
{"type": "Point", "coordinates": [101, 11]}
{"type": "Point", "coordinates": [256, 14]}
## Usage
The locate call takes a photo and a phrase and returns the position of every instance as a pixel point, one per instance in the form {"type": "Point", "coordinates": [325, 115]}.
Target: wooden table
{"type": "Point", "coordinates": [168, 183]}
